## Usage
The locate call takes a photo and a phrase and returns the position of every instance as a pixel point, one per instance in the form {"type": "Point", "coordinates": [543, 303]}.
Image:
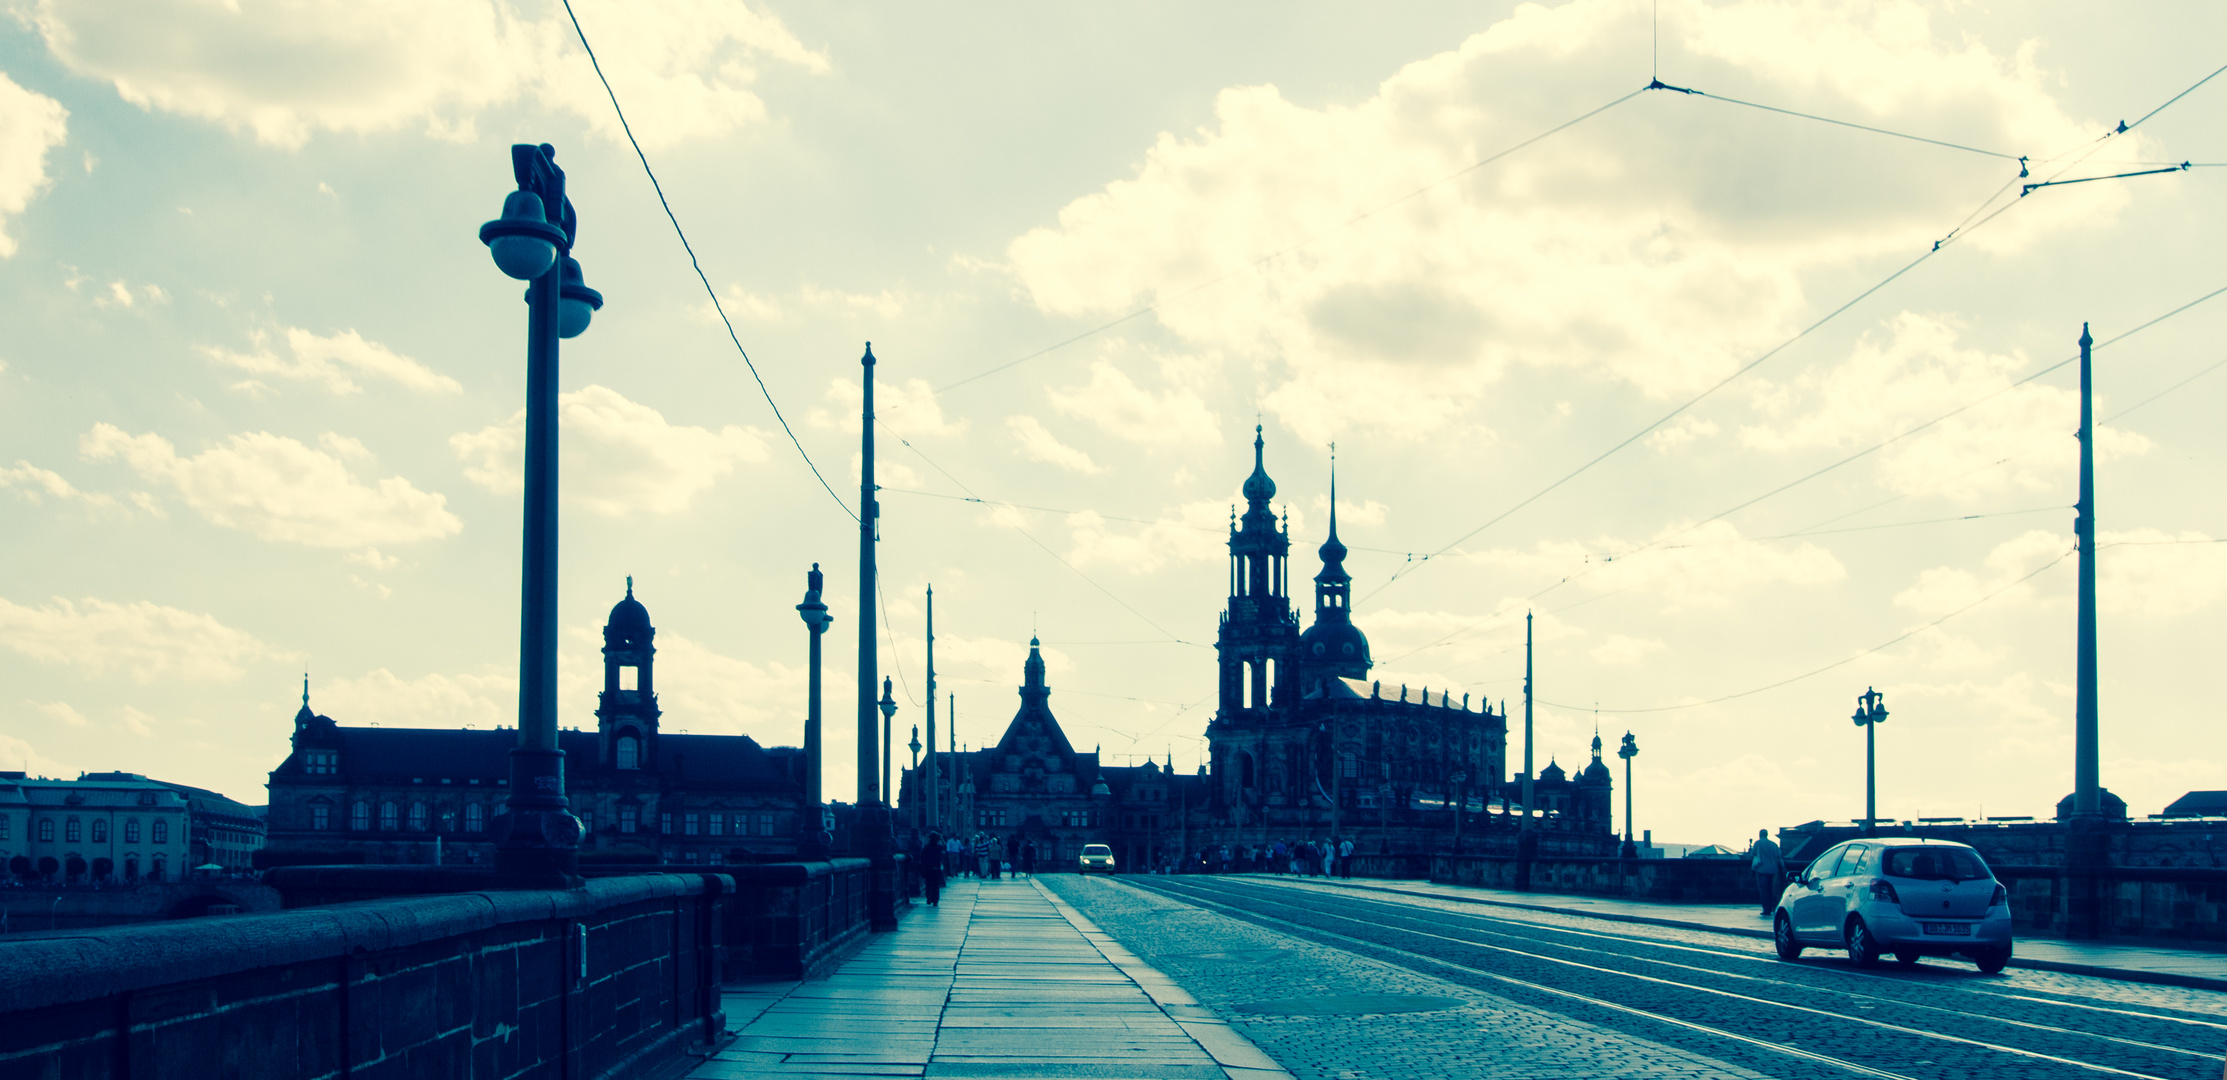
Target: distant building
{"type": "Point", "coordinates": [116, 826]}
{"type": "Point", "coordinates": [394, 795]}
{"type": "Point", "coordinates": [2199, 804]}
{"type": "Point", "coordinates": [223, 832]}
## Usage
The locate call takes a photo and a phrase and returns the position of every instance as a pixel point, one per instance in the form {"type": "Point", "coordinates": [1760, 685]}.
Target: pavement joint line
{"type": "Point", "coordinates": [2063, 967]}
{"type": "Point", "coordinates": [1237, 1056]}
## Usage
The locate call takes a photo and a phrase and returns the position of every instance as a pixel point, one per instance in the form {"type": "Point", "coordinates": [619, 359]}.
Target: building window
{"type": "Point", "coordinates": [628, 817]}
{"type": "Point", "coordinates": [359, 816]}
{"type": "Point", "coordinates": [688, 825]}
{"type": "Point", "coordinates": [162, 836]}
{"type": "Point", "coordinates": [417, 817]}
{"type": "Point", "coordinates": [1349, 765]}
{"type": "Point", "coordinates": [665, 824]}
{"type": "Point", "coordinates": [320, 816]}
{"type": "Point", "coordinates": [587, 823]}
{"type": "Point", "coordinates": [990, 816]}
{"type": "Point", "coordinates": [765, 824]}
{"type": "Point", "coordinates": [321, 762]}
{"type": "Point", "coordinates": [100, 831]}
{"type": "Point", "coordinates": [131, 832]}
{"type": "Point", "coordinates": [718, 824]}
{"type": "Point", "coordinates": [688, 856]}
{"type": "Point", "coordinates": [74, 831]}
{"type": "Point", "coordinates": [4, 819]}
{"type": "Point", "coordinates": [46, 830]}
{"type": "Point", "coordinates": [156, 869]}
{"type": "Point", "coordinates": [629, 752]}
{"type": "Point", "coordinates": [717, 857]}
{"type": "Point", "coordinates": [131, 868]}
{"type": "Point", "coordinates": [390, 816]}
{"type": "Point", "coordinates": [475, 817]}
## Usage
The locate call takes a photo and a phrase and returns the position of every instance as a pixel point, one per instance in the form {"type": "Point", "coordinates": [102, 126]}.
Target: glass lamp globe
{"type": "Point", "coordinates": [521, 240]}
{"type": "Point", "coordinates": [577, 304]}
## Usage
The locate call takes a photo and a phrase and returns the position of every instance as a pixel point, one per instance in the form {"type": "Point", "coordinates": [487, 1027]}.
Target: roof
{"type": "Point", "coordinates": [368, 753]}
{"type": "Point", "coordinates": [2200, 804]}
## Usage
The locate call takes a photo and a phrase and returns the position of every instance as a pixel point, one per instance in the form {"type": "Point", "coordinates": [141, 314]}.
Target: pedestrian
{"type": "Point", "coordinates": [931, 868]}
{"type": "Point", "coordinates": [981, 858]}
{"type": "Point", "coordinates": [1770, 871]}
{"type": "Point", "coordinates": [1345, 859]}
{"type": "Point", "coordinates": [1028, 859]}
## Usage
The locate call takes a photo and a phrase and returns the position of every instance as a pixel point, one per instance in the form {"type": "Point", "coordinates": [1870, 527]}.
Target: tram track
{"type": "Point", "coordinates": [1818, 1018]}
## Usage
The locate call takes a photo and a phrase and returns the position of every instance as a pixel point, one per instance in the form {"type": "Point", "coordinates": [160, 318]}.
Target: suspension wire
{"type": "Point", "coordinates": [2028, 189]}
{"type": "Point", "coordinates": [907, 443]}
{"type": "Point", "coordinates": [1852, 658]}
{"type": "Point", "coordinates": [1295, 246]}
{"type": "Point", "coordinates": [1658, 84]}
{"type": "Point", "coordinates": [1108, 517]}
{"type": "Point", "coordinates": [697, 265]}
{"type": "Point", "coordinates": [889, 635]}
{"type": "Point", "coordinates": [2153, 397]}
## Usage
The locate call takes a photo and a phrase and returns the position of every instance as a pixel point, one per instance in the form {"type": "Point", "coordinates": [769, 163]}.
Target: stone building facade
{"type": "Point", "coordinates": [414, 795]}
{"type": "Point", "coordinates": [114, 827]}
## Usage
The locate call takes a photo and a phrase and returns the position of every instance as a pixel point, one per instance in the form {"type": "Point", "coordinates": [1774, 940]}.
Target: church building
{"type": "Point", "coordinates": [408, 795]}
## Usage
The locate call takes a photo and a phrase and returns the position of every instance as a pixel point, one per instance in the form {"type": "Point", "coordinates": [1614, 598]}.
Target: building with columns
{"type": "Point", "coordinates": [409, 795]}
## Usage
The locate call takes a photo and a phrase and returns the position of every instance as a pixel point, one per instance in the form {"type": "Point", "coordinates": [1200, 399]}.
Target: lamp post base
{"type": "Point", "coordinates": [537, 840]}
{"type": "Point", "coordinates": [872, 839]}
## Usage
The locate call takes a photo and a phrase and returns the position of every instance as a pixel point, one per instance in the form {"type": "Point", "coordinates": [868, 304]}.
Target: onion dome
{"type": "Point", "coordinates": [1258, 487]}
{"type": "Point", "coordinates": [628, 614]}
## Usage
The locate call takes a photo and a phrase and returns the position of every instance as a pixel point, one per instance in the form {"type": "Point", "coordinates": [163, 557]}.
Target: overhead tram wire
{"type": "Point", "coordinates": [1108, 517]}
{"type": "Point", "coordinates": [1888, 644]}
{"type": "Point", "coordinates": [1658, 84]}
{"type": "Point", "coordinates": [697, 265]}
{"type": "Point", "coordinates": [1295, 246]}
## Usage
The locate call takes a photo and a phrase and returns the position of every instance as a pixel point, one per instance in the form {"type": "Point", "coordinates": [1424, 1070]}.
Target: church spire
{"type": "Point", "coordinates": [1258, 487]}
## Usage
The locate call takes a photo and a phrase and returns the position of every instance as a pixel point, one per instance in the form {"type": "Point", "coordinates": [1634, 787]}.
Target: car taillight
{"type": "Point", "coordinates": [2000, 898]}
{"type": "Point", "coordinates": [1881, 890]}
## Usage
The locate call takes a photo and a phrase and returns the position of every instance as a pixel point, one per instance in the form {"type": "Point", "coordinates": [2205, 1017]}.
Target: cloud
{"type": "Point", "coordinates": [30, 124]}
{"type": "Point", "coordinates": [2159, 574]}
{"type": "Point", "coordinates": [17, 754]}
{"type": "Point", "coordinates": [281, 490]}
{"type": "Point", "coordinates": [710, 693]}
{"type": "Point", "coordinates": [380, 696]}
{"type": "Point", "coordinates": [912, 407]}
{"type": "Point", "coordinates": [36, 485]}
{"type": "Point", "coordinates": [618, 456]}
{"type": "Point", "coordinates": [813, 302]}
{"type": "Point", "coordinates": [1118, 405]}
{"type": "Point", "coordinates": [1699, 566]}
{"type": "Point", "coordinates": [59, 710]}
{"type": "Point", "coordinates": [1032, 441]}
{"type": "Point", "coordinates": [1191, 532]}
{"type": "Point", "coordinates": [145, 641]}
{"type": "Point", "coordinates": [1680, 211]}
{"type": "Point", "coordinates": [1943, 589]}
{"type": "Point", "coordinates": [286, 69]}
{"type": "Point", "coordinates": [334, 362]}
{"type": "Point", "coordinates": [1618, 650]}
{"type": "Point", "coordinates": [1886, 387]}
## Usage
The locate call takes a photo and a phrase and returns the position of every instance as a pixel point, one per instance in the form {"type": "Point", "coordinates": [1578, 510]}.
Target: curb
{"type": "Point", "coordinates": [2063, 967]}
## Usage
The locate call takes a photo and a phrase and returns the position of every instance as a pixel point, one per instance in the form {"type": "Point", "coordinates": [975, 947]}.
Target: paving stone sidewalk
{"type": "Point", "coordinates": [999, 980]}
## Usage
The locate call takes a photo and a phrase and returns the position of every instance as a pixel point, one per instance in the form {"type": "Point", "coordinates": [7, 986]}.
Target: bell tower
{"type": "Point", "coordinates": [1259, 633]}
{"type": "Point", "coordinates": [626, 711]}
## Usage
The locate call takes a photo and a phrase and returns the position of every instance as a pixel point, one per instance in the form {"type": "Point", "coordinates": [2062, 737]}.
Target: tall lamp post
{"type": "Point", "coordinates": [918, 811]}
{"type": "Point", "coordinates": [811, 836]}
{"type": "Point", "coordinates": [1628, 751]}
{"type": "Point", "coordinates": [1461, 804]}
{"type": "Point", "coordinates": [537, 840]}
{"type": "Point", "coordinates": [1871, 711]}
{"type": "Point", "coordinates": [888, 705]}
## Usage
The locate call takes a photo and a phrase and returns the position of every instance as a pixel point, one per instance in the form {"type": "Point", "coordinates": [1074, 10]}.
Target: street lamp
{"type": "Point", "coordinates": [889, 715]}
{"type": "Point", "coordinates": [1871, 711]}
{"type": "Point", "coordinates": [1461, 803]}
{"type": "Point", "coordinates": [1628, 751]}
{"type": "Point", "coordinates": [917, 780]}
{"type": "Point", "coordinates": [816, 619]}
{"type": "Point", "coordinates": [537, 839]}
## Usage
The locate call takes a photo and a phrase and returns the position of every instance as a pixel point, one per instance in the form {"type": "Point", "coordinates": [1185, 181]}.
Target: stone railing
{"type": "Point", "coordinates": [2163, 903]}
{"type": "Point", "coordinates": [614, 979]}
{"type": "Point", "coordinates": [1708, 880]}
{"type": "Point", "coordinates": [796, 920]}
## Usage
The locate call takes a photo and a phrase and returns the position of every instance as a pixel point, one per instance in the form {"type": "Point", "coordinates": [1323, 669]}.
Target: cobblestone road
{"type": "Point", "coordinates": [1544, 995]}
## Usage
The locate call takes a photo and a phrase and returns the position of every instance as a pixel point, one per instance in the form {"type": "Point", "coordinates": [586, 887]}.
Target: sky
{"type": "Point", "coordinates": [1609, 356]}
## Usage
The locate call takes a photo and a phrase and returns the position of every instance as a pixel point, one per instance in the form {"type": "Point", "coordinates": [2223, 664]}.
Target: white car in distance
{"type": "Point", "coordinates": [1909, 897]}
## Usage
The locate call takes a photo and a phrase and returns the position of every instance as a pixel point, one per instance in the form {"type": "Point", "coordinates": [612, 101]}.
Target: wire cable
{"type": "Point", "coordinates": [1660, 85]}
{"type": "Point", "coordinates": [1281, 252]}
{"type": "Point", "coordinates": [697, 265]}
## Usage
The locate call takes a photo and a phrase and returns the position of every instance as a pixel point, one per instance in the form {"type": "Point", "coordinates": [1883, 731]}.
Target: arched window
{"type": "Point", "coordinates": [131, 831]}
{"type": "Point", "coordinates": [73, 831]}
{"type": "Point", "coordinates": [320, 816]}
{"type": "Point", "coordinates": [390, 816]}
{"type": "Point", "coordinates": [359, 816]}
{"type": "Point", "coordinates": [100, 833]}
{"type": "Point", "coordinates": [628, 752]}
{"type": "Point", "coordinates": [162, 832]}
{"type": "Point", "coordinates": [417, 817]}
{"type": "Point", "coordinates": [475, 817]}
{"type": "Point", "coordinates": [1349, 765]}
{"type": "Point", "coordinates": [629, 819]}
{"type": "Point", "coordinates": [46, 830]}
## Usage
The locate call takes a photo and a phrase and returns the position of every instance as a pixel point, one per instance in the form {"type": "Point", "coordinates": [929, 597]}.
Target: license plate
{"type": "Point", "coordinates": [1955, 928]}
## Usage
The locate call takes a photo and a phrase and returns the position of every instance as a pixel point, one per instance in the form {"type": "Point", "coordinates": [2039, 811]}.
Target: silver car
{"type": "Point", "coordinates": [1911, 898]}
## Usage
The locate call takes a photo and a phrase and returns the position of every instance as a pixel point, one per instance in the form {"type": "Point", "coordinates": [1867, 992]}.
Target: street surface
{"type": "Point", "coordinates": [1347, 985]}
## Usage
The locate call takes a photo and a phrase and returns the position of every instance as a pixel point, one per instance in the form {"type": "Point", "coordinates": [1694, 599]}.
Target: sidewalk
{"type": "Point", "coordinates": [1002, 979]}
{"type": "Point", "coordinates": [2130, 963]}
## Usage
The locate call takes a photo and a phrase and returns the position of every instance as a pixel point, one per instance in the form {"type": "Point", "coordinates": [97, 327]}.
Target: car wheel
{"type": "Point", "coordinates": [1782, 938]}
{"type": "Point", "coordinates": [1992, 961]}
{"type": "Point", "coordinates": [1906, 959]}
{"type": "Point", "coordinates": [1863, 949]}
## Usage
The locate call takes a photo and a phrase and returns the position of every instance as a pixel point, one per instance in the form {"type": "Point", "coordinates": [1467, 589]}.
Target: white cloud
{"type": "Point", "coordinates": [1681, 212]}
{"type": "Point", "coordinates": [285, 69]}
{"type": "Point", "coordinates": [379, 696]}
{"type": "Point", "coordinates": [911, 407]}
{"type": "Point", "coordinates": [334, 361]}
{"type": "Point", "coordinates": [282, 490]}
{"type": "Point", "coordinates": [1036, 443]}
{"type": "Point", "coordinates": [1368, 513]}
{"type": "Point", "coordinates": [30, 124]}
{"type": "Point", "coordinates": [1117, 404]}
{"type": "Point", "coordinates": [617, 456]}
{"type": "Point", "coordinates": [709, 693]}
{"type": "Point", "coordinates": [814, 303]}
{"type": "Point", "coordinates": [1619, 649]}
{"type": "Point", "coordinates": [2159, 574]}
{"type": "Point", "coordinates": [372, 558]}
{"type": "Point", "coordinates": [35, 485]}
{"type": "Point", "coordinates": [17, 754]}
{"type": "Point", "coordinates": [1191, 532]}
{"type": "Point", "coordinates": [1919, 373]}
{"type": "Point", "coordinates": [1943, 589]}
{"type": "Point", "coordinates": [143, 640]}
{"type": "Point", "coordinates": [59, 710]}
{"type": "Point", "coordinates": [1700, 566]}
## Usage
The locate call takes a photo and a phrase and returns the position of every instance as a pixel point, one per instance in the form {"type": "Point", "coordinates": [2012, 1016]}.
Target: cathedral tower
{"type": "Point", "coordinates": [1259, 633]}
{"type": "Point", "coordinates": [626, 711]}
{"type": "Point", "coordinates": [1333, 646]}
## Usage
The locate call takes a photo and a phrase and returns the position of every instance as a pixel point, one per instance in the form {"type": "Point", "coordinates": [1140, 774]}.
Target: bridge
{"type": "Point", "coordinates": [771, 971]}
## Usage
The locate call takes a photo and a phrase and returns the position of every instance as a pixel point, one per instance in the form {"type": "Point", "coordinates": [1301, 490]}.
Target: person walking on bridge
{"type": "Point", "coordinates": [931, 868]}
{"type": "Point", "coordinates": [1770, 871]}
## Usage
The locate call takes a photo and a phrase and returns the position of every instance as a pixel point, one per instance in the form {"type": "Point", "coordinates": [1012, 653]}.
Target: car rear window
{"type": "Point", "coordinates": [1935, 864]}
{"type": "Point", "coordinates": [1097, 849]}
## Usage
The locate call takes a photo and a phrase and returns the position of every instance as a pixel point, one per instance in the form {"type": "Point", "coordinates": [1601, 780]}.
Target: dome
{"type": "Point", "coordinates": [1334, 641]}
{"type": "Point", "coordinates": [1552, 772]}
{"type": "Point", "coordinates": [628, 614]}
{"type": "Point", "coordinates": [1597, 773]}
{"type": "Point", "coordinates": [1258, 487]}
